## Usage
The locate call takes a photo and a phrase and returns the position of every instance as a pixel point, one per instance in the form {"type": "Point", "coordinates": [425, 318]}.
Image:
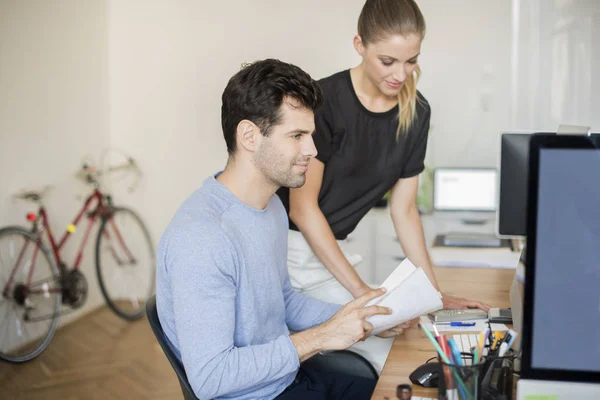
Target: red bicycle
{"type": "Point", "coordinates": [38, 287]}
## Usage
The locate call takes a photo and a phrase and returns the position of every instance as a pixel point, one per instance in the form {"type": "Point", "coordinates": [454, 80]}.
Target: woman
{"type": "Point", "coordinates": [371, 136]}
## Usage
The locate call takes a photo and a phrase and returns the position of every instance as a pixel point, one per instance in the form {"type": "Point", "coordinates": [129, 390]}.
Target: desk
{"type": "Point", "coordinates": [413, 348]}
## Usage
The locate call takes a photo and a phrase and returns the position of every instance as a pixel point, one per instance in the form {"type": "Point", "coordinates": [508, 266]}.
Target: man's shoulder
{"type": "Point", "coordinates": [199, 218]}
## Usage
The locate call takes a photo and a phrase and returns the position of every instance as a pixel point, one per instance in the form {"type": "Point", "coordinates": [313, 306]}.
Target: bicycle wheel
{"type": "Point", "coordinates": [30, 295]}
{"type": "Point", "coordinates": [125, 263]}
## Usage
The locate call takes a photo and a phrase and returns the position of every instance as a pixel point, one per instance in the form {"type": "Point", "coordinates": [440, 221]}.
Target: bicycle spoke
{"type": "Point", "coordinates": [11, 250]}
{"type": "Point", "coordinates": [25, 326]}
{"type": "Point", "coordinates": [5, 326]}
{"type": "Point", "coordinates": [9, 328]}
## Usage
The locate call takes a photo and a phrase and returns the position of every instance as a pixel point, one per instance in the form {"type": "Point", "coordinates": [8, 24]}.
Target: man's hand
{"type": "Point", "coordinates": [397, 330]}
{"type": "Point", "coordinates": [348, 325]}
{"type": "Point", "coordinates": [458, 303]}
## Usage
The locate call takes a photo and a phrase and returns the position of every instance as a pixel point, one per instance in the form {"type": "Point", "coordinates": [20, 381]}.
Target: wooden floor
{"type": "Point", "coordinates": [99, 356]}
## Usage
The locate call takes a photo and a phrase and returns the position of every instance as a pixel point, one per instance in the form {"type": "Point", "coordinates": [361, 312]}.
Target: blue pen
{"type": "Point", "coordinates": [456, 323]}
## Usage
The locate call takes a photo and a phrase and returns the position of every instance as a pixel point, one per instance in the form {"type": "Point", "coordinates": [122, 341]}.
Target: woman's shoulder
{"type": "Point", "coordinates": [422, 103]}
{"type": "Point", "coordinates": [335, 83]}
{"type": "Point", "coordinates": [334, 79]}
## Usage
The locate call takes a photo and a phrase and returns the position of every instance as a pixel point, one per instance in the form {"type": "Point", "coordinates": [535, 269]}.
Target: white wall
{"type": "Point", "coordinates": [170, 61]}
{"type": "Point", "coordinates": [53, 107]}
{"type": "Point", "coordinates": [556, 64]}
{"type": "Point", "coordinates": [466, 64]}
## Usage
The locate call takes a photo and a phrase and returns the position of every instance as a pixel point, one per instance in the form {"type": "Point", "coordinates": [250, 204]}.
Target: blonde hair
{"type": "Point", "coordinates": [381, 18]}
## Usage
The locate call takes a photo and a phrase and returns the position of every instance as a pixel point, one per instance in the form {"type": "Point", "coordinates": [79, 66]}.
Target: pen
{"type": "Point", "coordinates": [456, 323]}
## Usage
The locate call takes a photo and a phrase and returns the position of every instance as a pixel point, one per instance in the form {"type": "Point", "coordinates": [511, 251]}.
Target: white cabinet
{"type": "Point", "coordinates": [376, 241]}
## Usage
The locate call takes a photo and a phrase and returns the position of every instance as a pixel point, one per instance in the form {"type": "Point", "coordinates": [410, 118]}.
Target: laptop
{"type": "Point", "coordinates": [467, 195]}
{"type": "Point", "coordinates": [561, 321]}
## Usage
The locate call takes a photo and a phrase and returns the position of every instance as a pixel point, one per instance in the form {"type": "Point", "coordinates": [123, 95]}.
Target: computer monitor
{"type": "Point", "coordinates": [561, 323]}
{"type": "Point", "coordinates": [511, 218]}
{"type": "Point", "coordinates": [512, 204]}
{"type": "Point", "coordinates": [464, 189]}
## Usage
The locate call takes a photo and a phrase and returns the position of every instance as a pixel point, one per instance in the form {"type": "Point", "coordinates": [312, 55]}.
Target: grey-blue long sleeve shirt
{"type": "Point", "coordinates": [224, 296]}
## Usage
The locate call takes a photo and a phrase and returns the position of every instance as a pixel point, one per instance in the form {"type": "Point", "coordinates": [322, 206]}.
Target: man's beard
{"type": "Point", "coordinates": [276, 170]}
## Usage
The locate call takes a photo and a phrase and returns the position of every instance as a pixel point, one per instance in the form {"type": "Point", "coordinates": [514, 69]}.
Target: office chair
{"type": "Point", "coordinates": [341, 361]}
{"type": "Point", "coordinates": [188, 393]}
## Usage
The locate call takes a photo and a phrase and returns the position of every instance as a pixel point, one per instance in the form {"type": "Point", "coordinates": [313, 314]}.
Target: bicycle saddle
{"type": "Point", "coordinates": [33, 195]}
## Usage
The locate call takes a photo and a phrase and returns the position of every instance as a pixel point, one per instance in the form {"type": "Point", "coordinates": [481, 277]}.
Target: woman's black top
{"type": "Point", "coordinates": [362, 156]}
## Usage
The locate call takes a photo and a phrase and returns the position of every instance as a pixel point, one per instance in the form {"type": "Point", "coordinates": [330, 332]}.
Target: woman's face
{"type": "Point", "coordinates": [387, 63]}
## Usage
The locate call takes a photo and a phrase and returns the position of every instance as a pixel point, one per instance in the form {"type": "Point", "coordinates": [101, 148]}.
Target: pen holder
{"type": "Point", "coordinates": [491, 379]}
{"type": "Point", "coordinates": [497, 380]}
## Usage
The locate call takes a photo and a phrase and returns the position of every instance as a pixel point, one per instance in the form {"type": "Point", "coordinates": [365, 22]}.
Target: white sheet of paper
{"type": "Point", "coordinates": [410, 294]}
{"type": "Point", "coordinates": [402, 272]}
{"type": "Point", "coordinates": [480, 326]}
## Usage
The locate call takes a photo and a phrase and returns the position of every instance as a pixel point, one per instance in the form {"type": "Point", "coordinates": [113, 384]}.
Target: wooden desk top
{"type": "Point", "coordinates": [413, 348]}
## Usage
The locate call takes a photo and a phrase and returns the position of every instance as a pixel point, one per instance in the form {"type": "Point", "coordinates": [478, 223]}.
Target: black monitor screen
{"type": "Point", "coordinates": [566, 323]}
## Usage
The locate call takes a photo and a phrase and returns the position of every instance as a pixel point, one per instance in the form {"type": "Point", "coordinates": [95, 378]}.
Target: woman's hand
{"type": "Point", "coordinates": [458, 303]}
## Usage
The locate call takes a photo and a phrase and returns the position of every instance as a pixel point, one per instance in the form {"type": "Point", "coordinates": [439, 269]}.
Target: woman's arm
{"type": "Point", "coordinates": [407, 222]}
{"type": "Point", "coordinates": [308, 217]}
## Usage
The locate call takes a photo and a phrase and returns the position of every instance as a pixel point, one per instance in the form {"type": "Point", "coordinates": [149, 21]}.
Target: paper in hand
{"type": "Point", "coordinates": [409, 295]}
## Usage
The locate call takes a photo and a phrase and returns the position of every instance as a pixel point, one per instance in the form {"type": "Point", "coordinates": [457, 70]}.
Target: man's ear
{"type": "Point", "coordinates": [247, 135]}
{"type": "Point", "coordinates": [358, 45]}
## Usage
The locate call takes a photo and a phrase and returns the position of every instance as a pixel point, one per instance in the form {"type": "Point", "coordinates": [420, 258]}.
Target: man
{"type": "Point", "coordinates": [223, 292]}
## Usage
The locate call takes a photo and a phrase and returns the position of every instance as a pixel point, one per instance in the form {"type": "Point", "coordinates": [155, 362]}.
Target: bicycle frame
{"type": "Point", "coordinates": [102, 210]}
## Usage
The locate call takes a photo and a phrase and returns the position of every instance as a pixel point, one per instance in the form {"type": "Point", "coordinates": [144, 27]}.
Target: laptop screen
{"type": "Point", "coordinates": [458, 189]}
{"type": "Point", "coordinates": [566, 297]}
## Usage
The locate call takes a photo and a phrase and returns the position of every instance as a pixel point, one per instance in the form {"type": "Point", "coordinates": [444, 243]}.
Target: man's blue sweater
{"type": "Point", "coordinates": [224, 296]}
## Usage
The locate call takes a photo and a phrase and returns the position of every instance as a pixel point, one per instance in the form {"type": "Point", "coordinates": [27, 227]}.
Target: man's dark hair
{"type": "Point", "coordinates": [256, 93]}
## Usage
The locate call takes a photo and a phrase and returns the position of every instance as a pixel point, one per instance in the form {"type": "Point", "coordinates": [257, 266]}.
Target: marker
{"type": "Point", "coordinates": [457, 323]}
{"type": "Point", "coordinates": [481, 343]}
{"type": "Point", "coordinates": [510, 338]}
{"type": "Point", "coordinates": [435, 344]}
{"type": "Point", "coordinates": [503, 349]}
{"type": "Point", "coordinates": [455, 352]}
{"type": "Point", "coordinates": [497, 336]}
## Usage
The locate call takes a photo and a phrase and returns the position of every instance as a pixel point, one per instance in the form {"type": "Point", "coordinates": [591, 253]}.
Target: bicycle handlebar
{"type": "Point", "coordinates": [90, 174]}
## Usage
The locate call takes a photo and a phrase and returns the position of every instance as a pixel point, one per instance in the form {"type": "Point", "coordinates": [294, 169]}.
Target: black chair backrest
{"type": "Point", "coordinates": [342, 361]}
{"type": "Point", "coordinates": [188, 393]}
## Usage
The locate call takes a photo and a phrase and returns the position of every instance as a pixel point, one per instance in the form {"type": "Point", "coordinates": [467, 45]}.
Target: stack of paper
{"type": "Point", "coordinates": [409, 295]}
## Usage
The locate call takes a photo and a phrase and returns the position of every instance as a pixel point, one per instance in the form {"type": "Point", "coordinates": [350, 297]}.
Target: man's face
{"type": "Point", "coordinates": [284, 155]}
